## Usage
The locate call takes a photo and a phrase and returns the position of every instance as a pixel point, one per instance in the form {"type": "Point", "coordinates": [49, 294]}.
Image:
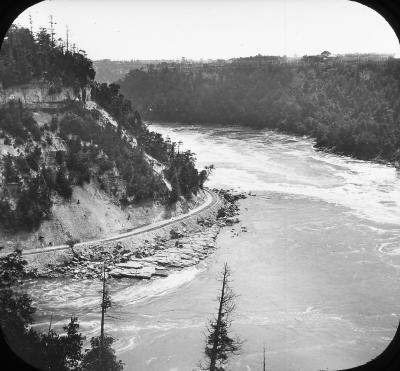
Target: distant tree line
{"type": "Point", "coordinates": [25, 56]}
{"type": "Point", "coordinates": [350, 108]}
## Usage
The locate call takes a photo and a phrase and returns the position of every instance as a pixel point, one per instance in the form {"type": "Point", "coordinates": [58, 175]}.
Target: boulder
{"type": "Point", "coordinates": [145, 272]}
{"type": "Point", "coordinates": [130, 264]}
{"type": "Point", "coordinates": [174, 234]}
{"type": "Point", "coordinates": [162, 272]}
{"type": "Point", "coordinates": [231, 221]}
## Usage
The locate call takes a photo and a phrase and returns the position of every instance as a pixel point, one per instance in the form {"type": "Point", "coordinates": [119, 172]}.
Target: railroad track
{"type": "Point", "coordinates": [211, 201]}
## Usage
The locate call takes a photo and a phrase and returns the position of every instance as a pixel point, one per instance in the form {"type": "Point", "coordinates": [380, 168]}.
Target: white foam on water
{"type": "Point", "coordinates": [362, 204]}
{"type": "Point", "coordinates": [165, 325]}
{"type": "Point", "coordinates": [125, 345]}
{"type": "Point", "coordinates": [262, 160]}
{"type": "Point", "coordinates": [74, 297]}
{"type": "Point", "coordinates": [155, 288]}
{"type": "Point", "coordinates": [131, 331]}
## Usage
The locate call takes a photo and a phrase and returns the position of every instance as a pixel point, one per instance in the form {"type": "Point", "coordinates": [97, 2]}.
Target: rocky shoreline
{"type": "Point", "coordinates": [182, 248]}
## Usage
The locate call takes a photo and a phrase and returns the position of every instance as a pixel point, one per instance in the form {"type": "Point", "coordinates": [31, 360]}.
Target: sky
{"type": "Point", "coordinates": [205, 29]}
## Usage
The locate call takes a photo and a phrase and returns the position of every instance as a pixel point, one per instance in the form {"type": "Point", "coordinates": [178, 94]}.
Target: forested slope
{"type": "Point", "coordinates": [351, 108]}
{"type": "Point", "coordinates": [45, 153]}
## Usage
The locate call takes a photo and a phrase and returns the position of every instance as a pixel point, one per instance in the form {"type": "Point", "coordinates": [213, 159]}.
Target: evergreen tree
{"type": "Point", "coordinates": [264, 359]}
{"type": "Point", "coordinates": [25, 57]}
{"type": "Point", "coordinates": [9, 172]}
{"type": "Point", "coordinates": [219, 343]}
{"type": "Point", "coordinates": [101, 356]}
{"type": "Point", "coordinates": [45, 351]}
{"type": "Point", "coordinates": [62, 185]}
{"type": "Point", "coordinates": [15, 308]}
{"type": "Point", "coordinates": [73, 345]}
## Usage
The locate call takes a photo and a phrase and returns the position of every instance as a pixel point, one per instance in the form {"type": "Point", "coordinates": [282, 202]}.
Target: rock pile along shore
{"type": "Point", "coordinates": [183, 247]}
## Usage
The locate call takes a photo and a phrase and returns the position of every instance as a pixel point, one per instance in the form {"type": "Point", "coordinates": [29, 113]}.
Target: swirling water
{"type": "Point", "coordinates": [316, 272]}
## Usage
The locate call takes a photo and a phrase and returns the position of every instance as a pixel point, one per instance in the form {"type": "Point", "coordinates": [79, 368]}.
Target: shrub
{"type": "Point", "coordinates": [78, 169]}
{"type": "Point", "coordinates": [7, 216]}
{"type": "Point", "coordinates": [54, 124]}
{"type": "Point", "coordinates": [31, 125]}
{"type": "Point", "coordinates": [19, 141]}
{"type": "Point", "coordinates": [105, 165]}
{"type": "Point", "coordinates": [221, 213]}
{"type": "Point", "coordinates": [22, 165]}
{"type": "Point", "coordinates": [73, 124]}
{"type": "Point", "coordinates": [33, 205]}
{"type": "Point", "coordinates": [59, 157]}
{"type": "Point", "coordinates": [62, 185]}
{"type": "Point", "coordinates": [33, 158]}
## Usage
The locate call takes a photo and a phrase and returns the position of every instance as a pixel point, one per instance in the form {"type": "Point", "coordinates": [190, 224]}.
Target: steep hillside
{"type": "Point", "coordinates": [76, 173]}
{"type": "Point", "coordinates": [76, 161]}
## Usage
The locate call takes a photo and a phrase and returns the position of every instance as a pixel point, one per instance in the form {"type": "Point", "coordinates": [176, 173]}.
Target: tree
{"type": "Point", "coordinates": [264, 363]}
{"type": "Point", "coordinates": [62, 184]}
{"type": "Point", "coordinates": [60, 353]}
{"type": "Point", "coordinates": [24, 57]}
{"type": "Point", "coordinates": [101, 356]}
{"type": "Point", "coordinates": [10, 174]}
{"type": "Point", "coordinates": [34, 204]}
{"type": "Point", "coordinates": [45, 351]}
{"type": "Point", "coordinates": [71, 242]}
{"type": "Point", "coordinates": [105, 304]}
{"type": "Point", "coordinates": [349, 107]}
{"type": "Point", "coordinates": [73, 345]}
{"type": "Point", "coordinates": [205, 174]}
{"type": "Point", "coordinates": [219, 344]}
{"type": "Point", "coordinates": [15, 308]}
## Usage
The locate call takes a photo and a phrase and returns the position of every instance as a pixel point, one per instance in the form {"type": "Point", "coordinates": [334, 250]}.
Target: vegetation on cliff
{"type": "Point", "coordinates": [180, 167]}
{"type": "Point", "coordinates": [78, 145]}
{"type": "Point", "coordinates": [90, 153]}
{"type": "Point", "coordinates": [350, 108]}
{"type": "Point", "coordinates": [25, 56]}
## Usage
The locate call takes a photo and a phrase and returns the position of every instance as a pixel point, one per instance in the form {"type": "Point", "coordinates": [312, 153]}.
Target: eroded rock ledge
{"type": "Point", "coordinates": [181, 247]}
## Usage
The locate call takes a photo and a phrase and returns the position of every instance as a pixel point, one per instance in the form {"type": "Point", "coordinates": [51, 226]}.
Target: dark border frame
{"type": "Point", "coordinates": [389, 359]}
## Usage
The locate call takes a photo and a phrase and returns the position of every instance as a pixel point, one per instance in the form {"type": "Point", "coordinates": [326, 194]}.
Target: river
{"type": "Point", "coordinates": [317, 272]}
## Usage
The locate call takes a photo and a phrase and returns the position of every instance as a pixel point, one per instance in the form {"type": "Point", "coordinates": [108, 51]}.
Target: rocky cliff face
{"type": "Point", "coordinates": [42, 92]}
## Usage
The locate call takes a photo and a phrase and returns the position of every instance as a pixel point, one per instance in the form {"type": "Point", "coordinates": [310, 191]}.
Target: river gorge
{"type": "Point", "coordinates": [315, 262]}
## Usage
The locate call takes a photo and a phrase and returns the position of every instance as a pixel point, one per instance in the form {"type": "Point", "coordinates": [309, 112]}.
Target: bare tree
{"type": "Point", "coordinates": [219, 344]}
{"type": "Point", "coordinates": [264, 358]}
{"type": "Point", "coordinates": [105, 304]}
{"type": "Point", "coordinates": [71, 242]}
